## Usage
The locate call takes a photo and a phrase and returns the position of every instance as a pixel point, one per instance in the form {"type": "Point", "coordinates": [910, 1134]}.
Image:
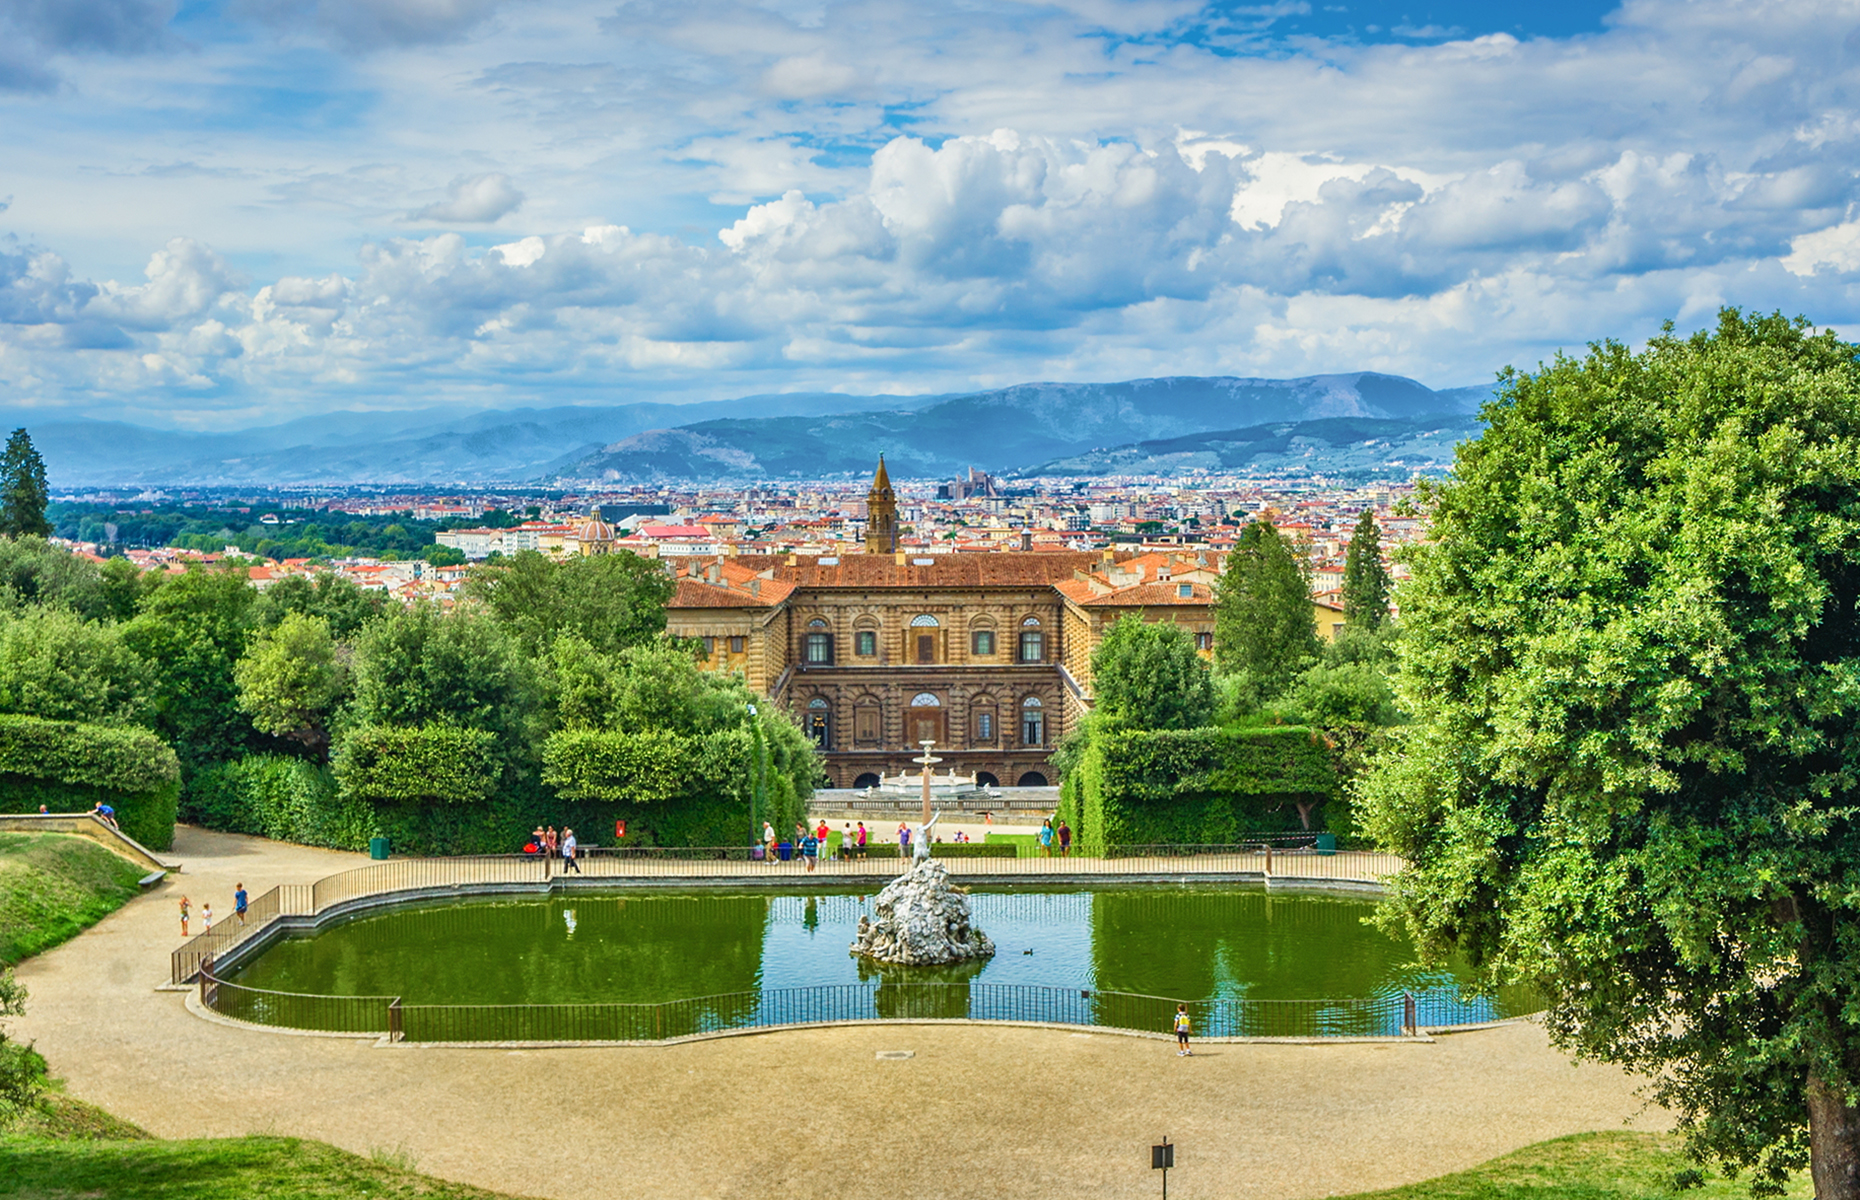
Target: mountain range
{"type": "Point", "coordinates": [1326, 424]}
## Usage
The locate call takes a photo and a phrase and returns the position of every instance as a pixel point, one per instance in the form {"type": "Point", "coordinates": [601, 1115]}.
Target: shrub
{"type": "Point", "coordinates": [436, 763]}
{"type": "Point", "coordinates": [286, 799]}
{"type": "Point", "coordinates": [68, 767]}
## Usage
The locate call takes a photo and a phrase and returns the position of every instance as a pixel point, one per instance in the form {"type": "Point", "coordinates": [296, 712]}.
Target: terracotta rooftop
{"type": "Point", "coordinates": [1022, 568]}
{"type": "Point", "coordinates": [1146, 594]}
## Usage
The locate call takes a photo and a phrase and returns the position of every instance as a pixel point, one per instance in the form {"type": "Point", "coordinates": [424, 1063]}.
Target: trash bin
{"type": "Point", "coordinates": [377, 847]}
{"type": "Point", "coordinates": [785, 851]}
{"type": "Point", "coordinates": [1327, 843]}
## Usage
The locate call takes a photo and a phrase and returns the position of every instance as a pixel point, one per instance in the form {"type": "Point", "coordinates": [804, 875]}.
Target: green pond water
{"type": "Point", "coordinates": [776, 957]}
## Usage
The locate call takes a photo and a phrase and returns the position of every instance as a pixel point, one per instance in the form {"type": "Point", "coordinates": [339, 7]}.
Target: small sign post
{"type": "Point", "coordinates": [1161, 1159]}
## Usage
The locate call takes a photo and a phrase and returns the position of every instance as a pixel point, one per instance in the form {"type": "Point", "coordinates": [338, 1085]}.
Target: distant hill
{"type": "Point", "coordinates": [1340, 447]}
{"type": "Point", "coordinates": [755, 437]}
{"type": "Point", "coordinates": [1011, 429]}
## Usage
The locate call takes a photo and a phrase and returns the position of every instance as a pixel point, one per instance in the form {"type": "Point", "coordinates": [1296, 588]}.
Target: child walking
{"type": "Point", "coordinates": [184, 907]}
{"type": "Point", "coordinates": [1182, 1031]}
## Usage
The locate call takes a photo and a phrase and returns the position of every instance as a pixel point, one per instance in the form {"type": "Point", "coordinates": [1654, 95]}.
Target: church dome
{"type": "Point", "coordinates": [594, 530]}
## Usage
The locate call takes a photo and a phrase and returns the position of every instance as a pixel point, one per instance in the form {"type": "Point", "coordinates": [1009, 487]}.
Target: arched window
{"type": "Point", "coordinates": [865, 638]}
{"type": "Point", "coordinates": [982, 639]}
{"type": "Point", "coordinates": [867, 780]}
{"type": "Point", "coordinates": [819, 727]}
{"type": "Point", "coordinates": [817, 645]}
{"type": "Point", "coordinates": [1032, 641]}
{"type": "Point", "coordinates": [1031, 779]}
{"type": "Point", "coordinates": [986, 779]}
{"type": "Point", "coordinates": [1032, 722]}
{"type": "Point", "coordinates": [925, 723]}
{"type": "Point", "coordinates": [924, 637]}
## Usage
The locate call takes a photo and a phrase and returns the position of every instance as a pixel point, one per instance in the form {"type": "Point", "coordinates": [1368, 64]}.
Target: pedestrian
{"type": "Point", "coordinates": [43, 811]}
{"type": "Point", "coordinates": [185, 905]}
{"type": "Point", "coordinates": [206, 918]}
{"type": "Point", "coordinates": [105, 813]}
{"type": "Point", "coordinates": [1182, 1031]}
{"type": "Point", "coordinates": [846, 843]}
{"type": "Point", "coordinates": [823, 831]}
{"type": "Point", "coordinates": [569, 847]}
{"type": "Point", "coordinates": [551, 841]}
{"type": "Point", "coordinates": [542, 842]}
{"type": "Point", "coordinates": [1065, 839]}
{"type": "Point", "coordinates": [239, 902]}
{"type": "Point", "coordinates": [1046, 837]}
{"type": "Point", "coordinates": [810, 850]}
{"type": "Point", "coordinates": [904, 840]}
{"type": "Point", "coordinates": [860, 836]}
{"type": "Point", "coordinates": [768, 842]}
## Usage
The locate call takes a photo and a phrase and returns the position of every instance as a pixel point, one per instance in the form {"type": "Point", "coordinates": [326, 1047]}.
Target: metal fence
{"type": "Point", "coordinates": [882, 1000]}
{"type": "Point", "coordinates": [1293, 858]}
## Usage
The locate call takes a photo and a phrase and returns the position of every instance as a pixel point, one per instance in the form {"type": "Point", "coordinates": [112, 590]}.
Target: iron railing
{"type": "Point", "coordinates": [414, 875]}
{"type": "Point", "coordinates": [1388, 1015]}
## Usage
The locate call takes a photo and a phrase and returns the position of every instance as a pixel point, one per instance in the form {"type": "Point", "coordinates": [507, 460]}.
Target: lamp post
{"type": "Point", "coordinates": [928, 760]}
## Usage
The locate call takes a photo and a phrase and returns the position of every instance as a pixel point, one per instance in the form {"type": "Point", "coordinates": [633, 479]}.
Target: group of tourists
{"type": "Point", "coordinates": [240, 904]}
{"type": "Point", "coordinates": [548, 843]}
{"type": "Point", "coordinates": [1049, 835]}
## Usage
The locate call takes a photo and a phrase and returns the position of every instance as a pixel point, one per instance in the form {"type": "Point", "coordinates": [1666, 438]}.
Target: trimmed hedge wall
{"type": "Point", "coordinates": [1190, 786]}
{"type": "Point", "coordinates": [439, 763]}
{"type": "Point", "coordinates": [285, 799]}
{"type": "Point", "coordinates": [69, 767]}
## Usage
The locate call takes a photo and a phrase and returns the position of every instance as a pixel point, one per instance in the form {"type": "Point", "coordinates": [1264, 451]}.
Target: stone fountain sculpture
{"type": "Point", "coordinates": [921, 919]}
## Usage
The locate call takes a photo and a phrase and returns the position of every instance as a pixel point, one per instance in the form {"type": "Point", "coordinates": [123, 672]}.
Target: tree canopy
{"type": "Point", "coordinates": [1265, 626]}
{"type": "Point", "coordinates": [1147, 675]}
{"type": "Point", "coordinates": [1365, 579]}
{"type": "Point", "coordinates": [1632, 658]}
{"type": "Point", "coordinates": [611, 600]}
{"type": "Point", "coordinates": [23, 494]}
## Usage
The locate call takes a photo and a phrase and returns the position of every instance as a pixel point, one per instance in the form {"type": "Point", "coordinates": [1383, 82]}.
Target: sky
{"type": "Point", "coordinates": [224, 213]}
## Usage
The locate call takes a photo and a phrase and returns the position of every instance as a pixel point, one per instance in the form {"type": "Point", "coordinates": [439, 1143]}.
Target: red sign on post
{"type": "Point", "coordinates": [619, 830]}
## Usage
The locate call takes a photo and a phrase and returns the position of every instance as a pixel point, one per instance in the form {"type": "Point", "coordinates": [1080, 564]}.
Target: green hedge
{"type": "Point", "coordinates": [70, 767]}
{"type": "Point", "coordinates": [972, 849]}
{"type": "Point", "coordinates": [285, 799]}
{"type": "Point", "coordinates": [1184, 786]}
{"type": "Point", "coordinates": [650, 766]}
{"type": "Point", "coordinates": [440, 763]}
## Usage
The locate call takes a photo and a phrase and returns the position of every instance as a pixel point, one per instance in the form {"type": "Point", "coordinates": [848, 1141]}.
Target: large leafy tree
{"type": "Point", "coordinates": [192, 629]}
{"type": "Point", "coordinates": [1146, 674]}
{"type": "Point", "coordinates": [1632, 658]}
{"type": "Point", "coordinates": [23, 494]}
{"type": "Point", "coordinates": [1365, 579]}
{"type": "Point", "coordinates": [612, 601]}
{"type": "Point", "coordinates": [1265, 626]}
{"type": "Point", "coordinates": [291, 679]}
{"type": "Point", "coordinates": [57, 666]}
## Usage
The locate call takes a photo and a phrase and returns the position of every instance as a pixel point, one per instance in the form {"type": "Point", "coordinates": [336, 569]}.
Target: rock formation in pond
{"type": "Point", "coordinates": [921, 919]}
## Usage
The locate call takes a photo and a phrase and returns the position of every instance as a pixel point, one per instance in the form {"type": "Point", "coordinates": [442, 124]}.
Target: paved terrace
{"type": "Point", "coordinates": [1002, 1111]}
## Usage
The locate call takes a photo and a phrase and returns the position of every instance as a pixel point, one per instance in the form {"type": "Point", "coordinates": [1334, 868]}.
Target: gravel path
{"type": "Point", "coordinates": [977, 1111]}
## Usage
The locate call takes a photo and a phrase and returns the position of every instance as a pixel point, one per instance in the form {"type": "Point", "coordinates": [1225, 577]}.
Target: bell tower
{"type": "Point", "coordinates": [881, 514]}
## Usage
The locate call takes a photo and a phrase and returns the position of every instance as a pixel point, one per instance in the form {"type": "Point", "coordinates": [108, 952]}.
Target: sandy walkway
{"type": "Point", "coordinates": [978, 1111]}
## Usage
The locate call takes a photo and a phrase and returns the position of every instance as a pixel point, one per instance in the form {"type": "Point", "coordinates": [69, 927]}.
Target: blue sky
{"type": "Point", "coordinates": [228, 212]}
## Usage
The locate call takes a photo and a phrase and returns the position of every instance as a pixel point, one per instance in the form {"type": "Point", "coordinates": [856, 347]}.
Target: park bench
{"type": "Point", "coordinates": [151, 879]}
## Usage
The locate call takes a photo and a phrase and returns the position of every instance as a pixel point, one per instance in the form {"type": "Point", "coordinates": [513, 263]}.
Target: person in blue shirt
{"type": "Point", "coordinates": [105, 813]}
{"type": "Point", "coordinates": [239, 902]}
{"type": "Point", "coordinates": [810, 850]}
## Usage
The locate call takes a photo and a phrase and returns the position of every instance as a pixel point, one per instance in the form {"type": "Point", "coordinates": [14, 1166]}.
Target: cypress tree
{"type": "Point", "coordinates": [1265, 625]}
{"type": "Point", "coordinates": [23, 495]}
{"type": "Point", "coordinates": [1365, 581]}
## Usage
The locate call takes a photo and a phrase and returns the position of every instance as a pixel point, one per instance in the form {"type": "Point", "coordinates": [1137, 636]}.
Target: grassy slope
{"type": "Point", "coordinates": [53, 886]}
{"type": "Point", "coordinates": [1592, 1166]}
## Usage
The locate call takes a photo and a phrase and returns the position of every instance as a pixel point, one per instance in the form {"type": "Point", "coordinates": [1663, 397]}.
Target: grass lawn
{"type": "Point", "coordinates": [1593, 1166]}
{"type": "Point", "coordinates": [53, 886]}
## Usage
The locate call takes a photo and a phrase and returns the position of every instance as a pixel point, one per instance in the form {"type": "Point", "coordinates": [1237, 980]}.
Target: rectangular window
{"type": "Point", "coordinates": [736, 645]}
{"type": "Point", "coordinates": [1032, 646]}
{"type": "Point", "coordinates": [926, 647]}
{"type": "Point", "coordinates": [1204, 641]}
{"type": "Point", "coordinates": [710, 647]}
{"type": "Point", "coordinates": [818, 649]}
{"type": "Point", "coordinates": [1185, 590]}
{"type": "Point", "coordinates": [984, 727]}
{"type": "Point", "coordinates": [865, 643]}
{"type": "Point", "coordinates": [1032, 728]}
{"type": "Point", "coordinates": [982, 643]}
{"type": "Point", "coordinates": [865, 726]}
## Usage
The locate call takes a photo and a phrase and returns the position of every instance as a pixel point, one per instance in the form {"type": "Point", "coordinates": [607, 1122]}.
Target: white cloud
{"type": "Point", "coordinates": [473, 200]}
{"type": "Point", "coordinates": [727, 197]}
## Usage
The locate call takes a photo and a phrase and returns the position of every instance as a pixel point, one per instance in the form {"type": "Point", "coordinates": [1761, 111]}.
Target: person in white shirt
{"type": "Point", "coordinates": [569, 846]}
